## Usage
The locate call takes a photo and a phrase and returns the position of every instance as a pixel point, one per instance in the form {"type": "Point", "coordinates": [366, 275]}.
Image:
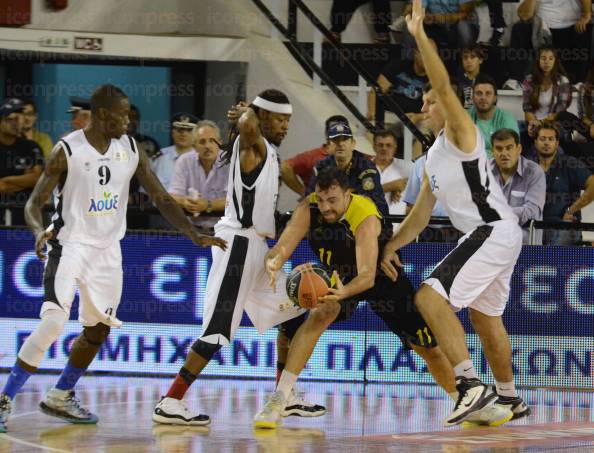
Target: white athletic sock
{"type": "Point", "coordinates": [506, 389]}
{"type": "Point", "coordinates": [453, 395]}
{"type": "Point", "coordinates": [465, 369]}
{"type": "Point", "coordinates": [286, 383]}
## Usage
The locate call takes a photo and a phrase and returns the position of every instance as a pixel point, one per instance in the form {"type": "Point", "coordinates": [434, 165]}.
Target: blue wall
{"type": "Point", "coordinates": [147, 87]}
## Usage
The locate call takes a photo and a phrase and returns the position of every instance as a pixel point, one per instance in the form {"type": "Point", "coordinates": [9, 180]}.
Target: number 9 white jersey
{"type": "Point", "coordinates": [91, 203]}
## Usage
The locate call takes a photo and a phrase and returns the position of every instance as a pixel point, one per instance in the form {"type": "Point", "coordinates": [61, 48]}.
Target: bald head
{"type": "Point", "coordinates": [110, 110]}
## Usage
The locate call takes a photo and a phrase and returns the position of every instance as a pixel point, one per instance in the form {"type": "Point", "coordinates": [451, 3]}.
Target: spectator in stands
{"type": "Point", "coordinates": [297, 171]}
{"type": "Point", "coordinates": [199, 182]}
{"type": "Point", "coordinates": [497, 22]}
{"type": "Point", "coordinates": [472, 59]}
{"type": "Point", "coordinates": [31, 133]}
{"type": "Point", "coordinates": [20, 163]}
{"type": "Point", "coordinates": [342, 13]}
{"type": "Point", "coordinates": [149, 144]}
{"type": "Point", "coordinates": [404, 80]}
{"type": "Point", "coordinates": [566, 178]}
{"type": "Point", "coordinates": [453, 24]}
{"type": "Point", "coordinates": [562, 23]}
{"type": "Point", "coordinates": [485, 113]}
{"type": "Point", "coordinates": [546, 90]}
{"type": "Point", "coordinates": [523, 181]}
{"type": "Point", "coordinates": [81, 113]}
{"type": "Point", "coordinates": [363, 175]}
{"type": "Point", "coordinates": [182, 135]}
{"type": "Point", "coordinates": [581, 127]}
{"type": "Point", "coordinates": [393, 172]}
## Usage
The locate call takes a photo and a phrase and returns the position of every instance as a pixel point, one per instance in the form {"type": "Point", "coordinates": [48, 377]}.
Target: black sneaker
{"type": "Point", "coordinates": [497, 37]}
{"type": "Point", "coordinates": [516, 405]}
{"type": "Point", "coordinates": [472, 396]}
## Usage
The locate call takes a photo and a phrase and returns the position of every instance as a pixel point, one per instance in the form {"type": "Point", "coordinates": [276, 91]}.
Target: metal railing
{"type": "Point", "coordinates": [290, 35]}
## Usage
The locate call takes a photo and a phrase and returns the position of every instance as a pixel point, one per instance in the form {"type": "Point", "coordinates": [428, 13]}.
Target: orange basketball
{"type": "Point", "coordinates": [306, 283]}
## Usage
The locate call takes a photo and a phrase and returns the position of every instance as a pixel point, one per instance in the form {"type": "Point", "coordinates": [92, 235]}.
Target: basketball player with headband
{"type": "Point", "coordinates": [237, 281]}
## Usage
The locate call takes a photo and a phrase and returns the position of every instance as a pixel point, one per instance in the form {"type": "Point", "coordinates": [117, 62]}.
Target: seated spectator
{"type": "Point", "coordinates": [582, 145]}
{"type": "Point", "coordinates": [200, 179]}
{"type": "Point", "coordinates": [31, 133]}
{"type": "Point", "coordinates": [523, 181]}
{"type": "Point", "coordinates": [182, 135]}
{"type": "Point", "coordinates": [342, 13]}
{"type": "Point", "coordinates": [562, 23]}
{"type": "Point", "coordinates": [393, 171]}
{"type": "Point", "coordinates": [566, 177]}
{"type": "Point", "coordinates": [472, 59]}
{"type": "Point", "coordinates": [20, 165]}
{"type": "Point", "coordinates": [453, 24]}
{"type": "Point", "coordinates": [433, 233]}
{"type": "Point", "coordinates": [297, 171]}
{"type": "Point", "coordinates": [81, 113]}
{"type": "Point", "coordinates": [546, 90]}
{"type": "Point", "coordinates": [497, 22]}
{"type": "Point", "coordinates": [485, 113]}
{"type": "Point", "coordinates": [362, 173]}
{"type": "Point", "coordinates": [148, 143]}
{"type": "Point", "coordinates": [404, 80]}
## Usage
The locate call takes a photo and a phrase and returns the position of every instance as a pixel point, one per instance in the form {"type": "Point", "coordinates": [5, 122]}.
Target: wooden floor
{"type": "Point", "coordinates": [372, 418]}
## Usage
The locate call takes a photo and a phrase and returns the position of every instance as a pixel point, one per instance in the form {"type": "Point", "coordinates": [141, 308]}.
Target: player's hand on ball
{"type": "Point", "coordinates": [390, 262]}
{"type": "Point", "coordinates": [272, 264]}
{"type": "Point", "coordinates": [335, 294]}
{"type": "Point", "coordinates": [40, 240]}
{"type": "Point", "coordinates": [204, 240]}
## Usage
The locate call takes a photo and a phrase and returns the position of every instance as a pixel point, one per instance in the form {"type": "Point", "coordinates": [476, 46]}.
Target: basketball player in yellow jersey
{"type": "Point", "coordinates": [348, 231]}
{"type": "Point", "coordinates": [91, 169]}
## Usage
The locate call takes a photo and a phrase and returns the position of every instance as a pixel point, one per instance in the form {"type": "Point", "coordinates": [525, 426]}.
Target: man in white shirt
{"type": "Point", "coordinates": [565, 22]}
{"type": "Point", "coordinates": [393, 171]}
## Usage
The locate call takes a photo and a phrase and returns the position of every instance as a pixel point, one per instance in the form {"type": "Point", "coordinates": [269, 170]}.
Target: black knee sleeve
{"type": "Point", "coordinates": [289, 328]}
{"type": "Point", "coordinates": [97, 334]}
{"type": "Point", "coordinates": [204, 349]}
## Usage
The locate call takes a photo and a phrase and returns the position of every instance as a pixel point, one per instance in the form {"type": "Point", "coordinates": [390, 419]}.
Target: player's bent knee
{"type": "Point", "coordinates": [96, 334]}
{"type": "Point", "coordinates": [47, 332]}
{"type": "Point", "coordinates": [204, 349]}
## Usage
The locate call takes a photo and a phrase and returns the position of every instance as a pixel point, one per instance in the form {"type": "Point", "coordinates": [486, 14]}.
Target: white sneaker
{"type": "Point", "coordinates": [492, 415]}
{"type": "Point", "coordinates": [170, 411]}
{"type": "Point", "coordinates": [472, 396]}
{"type": "Point", "coordinates": [65, 405]}
{"type": "Point", "coordinates": [296, 405]}
{"type": "Point", "coordinates": [512, 84]}
{"type": "Point", "coordinates": [270, 416]}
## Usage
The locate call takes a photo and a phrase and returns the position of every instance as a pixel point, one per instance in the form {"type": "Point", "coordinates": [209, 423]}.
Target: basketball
{"type": "Point", "coordinates": [306, 283]}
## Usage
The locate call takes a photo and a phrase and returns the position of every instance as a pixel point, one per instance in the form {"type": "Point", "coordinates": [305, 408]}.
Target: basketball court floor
{"type": "Point", "coordinates": [371, 418]}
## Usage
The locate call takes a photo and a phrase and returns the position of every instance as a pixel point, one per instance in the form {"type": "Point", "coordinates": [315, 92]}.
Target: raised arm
{"type": "Point", "coordinates": [55, 167]}
{"type": "Point", "coordinates": [460, 129]}
{"type": "Point", "coordinates": [249, 130]}
{"type": "Point", "coordinates": [172, 212]}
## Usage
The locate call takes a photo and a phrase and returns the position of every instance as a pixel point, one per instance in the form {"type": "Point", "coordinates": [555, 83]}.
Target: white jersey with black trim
{"type": "Point", "coordinates": [263, 194]}
{"type": "Point", "coordinates": [464, 185]}
{"type": "Point", "coordinates": [91, 204]}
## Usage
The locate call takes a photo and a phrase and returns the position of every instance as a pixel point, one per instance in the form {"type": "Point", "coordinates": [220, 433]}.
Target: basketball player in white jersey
{"type": "Point", "coordinates": [476, 274]}
{"type": "Point", "coordinates": [237, 281]}
{"type": "Point", "coordinates": [91, 170]}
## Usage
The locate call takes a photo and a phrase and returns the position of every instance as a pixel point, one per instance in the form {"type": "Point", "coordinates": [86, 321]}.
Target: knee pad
{"type": "Point", "coordinates": [204, 349]}
{"type": "Point", "coordinates": [47, 332]}
{"type": "Point", "coordinates": [96, 334]}
{"type": "Point", "coordinates": [289, 328]}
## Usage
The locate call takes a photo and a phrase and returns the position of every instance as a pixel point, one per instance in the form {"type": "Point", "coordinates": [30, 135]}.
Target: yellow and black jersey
{"type": "Point", "coordinates": [334, 243]}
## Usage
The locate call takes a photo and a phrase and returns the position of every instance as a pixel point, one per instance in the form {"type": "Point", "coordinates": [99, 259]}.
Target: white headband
{"type": "Point", "coordinates": [285, 109]}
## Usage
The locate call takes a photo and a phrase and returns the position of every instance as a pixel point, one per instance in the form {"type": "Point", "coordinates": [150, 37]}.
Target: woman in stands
{"type": "Point", "coordinates": [546, 90]}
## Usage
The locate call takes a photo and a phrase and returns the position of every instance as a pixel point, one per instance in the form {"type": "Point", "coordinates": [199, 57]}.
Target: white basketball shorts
{"type": "Point", "coordinates": [97, 272]}
{"type": "Point", "coordinates": [477, 272]}
{"type": "Point", "coordinates": [237, 282]}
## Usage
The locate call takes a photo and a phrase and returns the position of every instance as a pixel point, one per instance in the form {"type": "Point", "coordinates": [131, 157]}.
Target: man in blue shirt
{"type": "Point", "coordinates": [566, 178]}
{"type": "Point", "coordinates": [363, 176]}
